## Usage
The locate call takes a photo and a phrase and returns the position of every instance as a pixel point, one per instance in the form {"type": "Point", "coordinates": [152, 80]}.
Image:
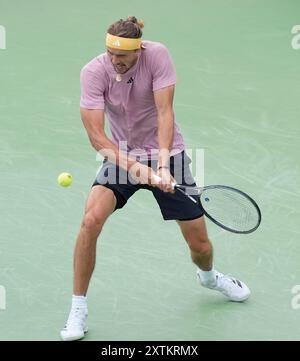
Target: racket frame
{"type": "Point", "coordinates": [200, 190]}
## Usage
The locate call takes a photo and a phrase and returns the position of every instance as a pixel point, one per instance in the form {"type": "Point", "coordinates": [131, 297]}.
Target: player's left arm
{"type": "Point", "coordinates": [164, 103]}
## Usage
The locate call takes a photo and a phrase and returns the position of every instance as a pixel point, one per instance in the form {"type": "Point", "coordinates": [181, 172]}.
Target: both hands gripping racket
{"type": "Point", "coordinates": [229, 208]}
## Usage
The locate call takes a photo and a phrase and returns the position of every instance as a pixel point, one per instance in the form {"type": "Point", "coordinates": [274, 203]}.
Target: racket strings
{"type": "Point", "coordinates": [230, 208]}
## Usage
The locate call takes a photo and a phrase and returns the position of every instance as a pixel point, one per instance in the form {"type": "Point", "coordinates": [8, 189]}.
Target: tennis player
{"type": "Point", "coordinates": [133, 83]}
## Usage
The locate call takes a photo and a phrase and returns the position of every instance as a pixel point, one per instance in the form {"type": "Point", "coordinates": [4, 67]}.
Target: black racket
{"type": "Point", "coordinates": [228, 207]}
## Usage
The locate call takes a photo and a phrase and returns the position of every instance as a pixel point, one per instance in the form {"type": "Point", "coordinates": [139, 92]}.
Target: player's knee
{"type": "Point", "coordinates": [92, 221]}
{"type": "Point", "coordinates": [200, 249]}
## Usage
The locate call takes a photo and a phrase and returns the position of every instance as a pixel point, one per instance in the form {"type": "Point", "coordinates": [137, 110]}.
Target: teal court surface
{"type": "Point", "coordinates": [237, 97]}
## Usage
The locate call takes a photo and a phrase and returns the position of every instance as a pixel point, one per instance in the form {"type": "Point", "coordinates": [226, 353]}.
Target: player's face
{"type": "Point", "coordinates": [122, 60]}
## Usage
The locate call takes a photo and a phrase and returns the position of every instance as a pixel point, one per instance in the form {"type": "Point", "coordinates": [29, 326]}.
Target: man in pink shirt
{"type": "Point", "coordinates": [133, 83]}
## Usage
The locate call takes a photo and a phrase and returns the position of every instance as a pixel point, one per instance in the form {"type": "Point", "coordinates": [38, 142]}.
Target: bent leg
{"type": "Point", "coordinates": [100, 204]}
{"type": "Point", "coordinates": [201, 249]}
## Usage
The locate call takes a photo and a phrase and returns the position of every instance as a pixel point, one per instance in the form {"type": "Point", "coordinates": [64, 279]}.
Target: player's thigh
{"type": "Point", "coordinates": [194, 231]}
{"type": "Point", "coordinates": [100, 204]}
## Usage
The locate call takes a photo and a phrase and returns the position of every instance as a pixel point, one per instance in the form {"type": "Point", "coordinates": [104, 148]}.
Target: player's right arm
{"type": "Point", "coordinates": [93, 120]}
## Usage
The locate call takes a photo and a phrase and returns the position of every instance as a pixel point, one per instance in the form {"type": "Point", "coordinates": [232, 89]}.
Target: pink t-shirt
{"type": "Point", "coordinates": [129, 103]}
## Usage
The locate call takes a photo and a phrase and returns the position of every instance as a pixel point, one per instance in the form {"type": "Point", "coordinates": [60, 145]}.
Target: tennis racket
{"type": "Point", "coordinates": [228, 207]}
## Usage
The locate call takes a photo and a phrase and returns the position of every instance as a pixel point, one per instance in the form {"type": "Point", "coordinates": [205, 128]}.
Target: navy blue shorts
{"type": "Point", "coordinates": [173, 206]}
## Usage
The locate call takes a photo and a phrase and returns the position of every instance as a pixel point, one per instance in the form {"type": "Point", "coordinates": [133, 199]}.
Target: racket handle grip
{"type": "Point", "coordinates": [158, 179]}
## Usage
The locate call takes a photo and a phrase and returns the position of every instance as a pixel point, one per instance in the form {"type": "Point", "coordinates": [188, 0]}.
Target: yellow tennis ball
{"type": "Point", "coordinates": [65, 179]}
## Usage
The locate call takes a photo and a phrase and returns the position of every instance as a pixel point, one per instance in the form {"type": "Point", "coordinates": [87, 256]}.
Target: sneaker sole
{"type": "Point", "coordinates": [74, 338]}
{"type": "Point", "coordinates": [240, 299]}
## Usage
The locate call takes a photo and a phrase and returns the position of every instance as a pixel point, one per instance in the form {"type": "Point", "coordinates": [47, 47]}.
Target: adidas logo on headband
{"type": "Point", "coordinates": [116, 43]}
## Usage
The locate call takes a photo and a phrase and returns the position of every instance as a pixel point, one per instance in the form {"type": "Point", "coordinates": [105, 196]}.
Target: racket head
{"type": "Point", "coordinates": [230, 208]}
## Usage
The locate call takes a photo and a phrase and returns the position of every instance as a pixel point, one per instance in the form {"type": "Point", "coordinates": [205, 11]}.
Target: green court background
{"type": "Point", "coordinates": [237, 97]}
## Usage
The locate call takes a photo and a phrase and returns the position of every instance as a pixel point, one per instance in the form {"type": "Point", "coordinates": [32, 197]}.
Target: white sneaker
{"type": "Point", "coordinates": [76, 325]}
{"type": "Point", "coordinates": [231, 287]}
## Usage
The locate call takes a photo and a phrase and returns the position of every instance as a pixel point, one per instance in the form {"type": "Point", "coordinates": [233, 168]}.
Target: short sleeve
{"type": "Point", "coordinates": [163, 69]}
{"type": "Point", "coordinates": [92, 89]}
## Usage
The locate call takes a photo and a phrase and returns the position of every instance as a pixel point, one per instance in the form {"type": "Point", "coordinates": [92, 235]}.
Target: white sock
{"type": "Point", "coordinates": [79, 301]}
{"type": "Point", "coordinates": [207, 276]}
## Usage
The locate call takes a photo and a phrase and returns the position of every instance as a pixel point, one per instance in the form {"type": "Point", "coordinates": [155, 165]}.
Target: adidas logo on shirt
{"type": "Point", "coordinates": [130, 80]}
